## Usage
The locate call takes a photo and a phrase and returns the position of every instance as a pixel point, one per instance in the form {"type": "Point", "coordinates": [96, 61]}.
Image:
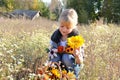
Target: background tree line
{"type": "Point", "coordinates": [88, 10]}
{"type": "Point", "coordinates": [10, 5]}
{"type": "Point", "coordinates": [91, 10]}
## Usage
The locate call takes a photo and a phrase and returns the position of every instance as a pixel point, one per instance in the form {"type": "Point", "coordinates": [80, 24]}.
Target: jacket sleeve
{"type": "Point", "coordinates": [53, 45]}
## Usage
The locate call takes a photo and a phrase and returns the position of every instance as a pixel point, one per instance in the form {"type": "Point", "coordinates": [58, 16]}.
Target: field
{"type": "Point", "coordinates": [23, 46]}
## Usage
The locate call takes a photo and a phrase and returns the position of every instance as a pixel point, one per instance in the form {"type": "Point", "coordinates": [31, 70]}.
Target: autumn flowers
{"type": "Point", "coordinates": [74, 42]}
{"type": "Point", "coordinates": [54, 71]}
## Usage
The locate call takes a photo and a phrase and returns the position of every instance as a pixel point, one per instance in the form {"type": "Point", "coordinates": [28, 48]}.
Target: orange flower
{"type": "Point", "coordinates": [60, 49]}
{"type": "Point", "coordinates": [46, 77]}
{"type": "Point", "coordinates": [69, 49]}
{"type": "Point", "coordinates": [40, 71]}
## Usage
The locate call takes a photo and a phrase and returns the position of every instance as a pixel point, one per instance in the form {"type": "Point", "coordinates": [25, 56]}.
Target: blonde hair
{"type": "Point", "coordinates": [69, 17]}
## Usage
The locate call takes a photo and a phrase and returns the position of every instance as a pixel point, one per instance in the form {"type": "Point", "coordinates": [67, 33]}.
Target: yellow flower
{"type": "Point", "coordinates": [56, 72]}
{"type": "Point", "coordinates": [64, 72]}
{"type": "Point", "coordinates": [71, 75]}
{"type": "Point", "coordinates": [75, 41]}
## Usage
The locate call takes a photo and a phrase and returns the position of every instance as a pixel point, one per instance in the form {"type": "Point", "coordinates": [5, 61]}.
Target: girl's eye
{"type": "Point", "coordinates": [61, 26]}
{"type": "Point", "coordinates": [68, 28]}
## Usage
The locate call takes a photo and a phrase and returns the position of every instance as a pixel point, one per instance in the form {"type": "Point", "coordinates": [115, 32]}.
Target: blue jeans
{"type": "Point", "coordinates": [69, 61]}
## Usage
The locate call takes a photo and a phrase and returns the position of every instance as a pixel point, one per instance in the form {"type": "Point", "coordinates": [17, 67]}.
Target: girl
{"type": "Point", "coordinates": [67, 28]}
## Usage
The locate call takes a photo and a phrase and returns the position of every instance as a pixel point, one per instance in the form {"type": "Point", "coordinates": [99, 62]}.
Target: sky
{"type": "Point", "coordinates": [46, 1]}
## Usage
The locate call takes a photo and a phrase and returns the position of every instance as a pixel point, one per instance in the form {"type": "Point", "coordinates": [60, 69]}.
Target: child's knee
{"type": "Point", "coordinates": [67, 59]}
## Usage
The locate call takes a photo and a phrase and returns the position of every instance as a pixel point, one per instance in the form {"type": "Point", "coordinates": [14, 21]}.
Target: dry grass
{"type": "Point", "coordinates": [102, 48]}
{"type": "Point", "coordinates": [102, 51]}
{"type": "Point", "coordinates": [16, 25]}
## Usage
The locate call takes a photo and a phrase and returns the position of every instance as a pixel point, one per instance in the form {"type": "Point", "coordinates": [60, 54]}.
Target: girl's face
{"type": "Point", "coordinates": [65, 29]}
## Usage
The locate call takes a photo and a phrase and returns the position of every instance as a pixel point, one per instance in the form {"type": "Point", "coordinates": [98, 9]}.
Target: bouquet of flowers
{"type": "Point", "coordinates": [53, 71]}
{"type": "Point", "coordinates": [73, 43]}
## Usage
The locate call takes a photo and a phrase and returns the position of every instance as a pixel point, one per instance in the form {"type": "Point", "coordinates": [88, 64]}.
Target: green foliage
{"type": "Point", "coordinates": [24, 4]}
{"type": "Point", "coordinates": [84, 8]}
{"type": "Point", "coordinates": [32, 5]}
{"type": "Point", "coordinates": [40, 6]}
{"type": "Point", "coordinates": [88, 10]}
{"type": "Point", "coordinates": [52, 16]}
{"type": "Point", "coordinates": [9, 4]}
{"type": "Point", "coordinates": [45, 11]}
{"type": "Point", "coordinates": [1, 3]}
{"type": "Point", "coordinates": [91, 10]}
{"type": "Point", "coordinates": [111, 11]}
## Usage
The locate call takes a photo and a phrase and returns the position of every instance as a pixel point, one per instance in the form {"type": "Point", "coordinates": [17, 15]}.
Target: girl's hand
{"type": "Point", "coordinates": [78, 56]}
{"type": "Point", "coordinates": [76, 52]}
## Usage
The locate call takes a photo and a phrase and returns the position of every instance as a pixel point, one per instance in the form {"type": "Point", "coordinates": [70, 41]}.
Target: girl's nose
{"type": "Point", "coordinates": [64, 29]}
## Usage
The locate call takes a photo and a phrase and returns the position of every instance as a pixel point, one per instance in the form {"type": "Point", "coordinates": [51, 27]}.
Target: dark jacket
{"type": "Point", "coordinates": [56, 36]}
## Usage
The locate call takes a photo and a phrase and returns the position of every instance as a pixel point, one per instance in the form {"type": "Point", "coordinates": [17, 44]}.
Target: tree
{"type": "Point", "coordinates": [43, 9]}
{"type": "Point", "coordinates": [77, 5]}
{"type": "Point", "coordinates": [9, 4]}
{"type": "Point", "coordinates": [88, 10]}
{"type": "Point", "coordinates": [56, 7]}
{"type": "Point", "coordinates": [111, 11]}
{"type": "Point", "coordinates": [84, 8]}
{"type": "Point", "coordinates": [116, 11]}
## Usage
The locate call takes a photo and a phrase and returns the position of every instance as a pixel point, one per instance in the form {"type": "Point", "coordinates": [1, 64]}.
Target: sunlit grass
{"type": "Point", "coordinates": [102, 52]}
{"type": "Point", "coordinates": [23, 44]}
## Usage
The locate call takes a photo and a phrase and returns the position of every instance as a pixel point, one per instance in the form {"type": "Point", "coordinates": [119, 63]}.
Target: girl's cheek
{"type": "Point", "coordinates": [70, 30]}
